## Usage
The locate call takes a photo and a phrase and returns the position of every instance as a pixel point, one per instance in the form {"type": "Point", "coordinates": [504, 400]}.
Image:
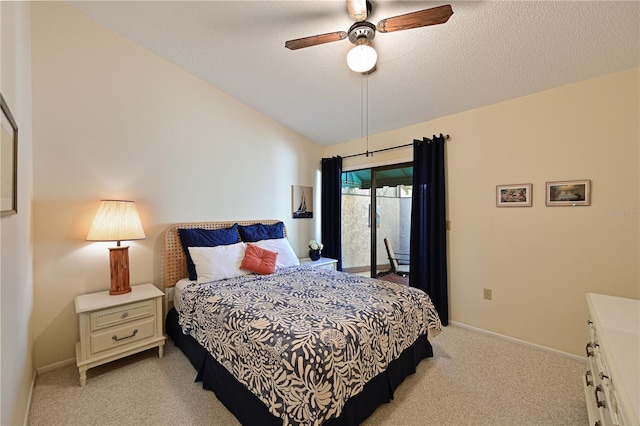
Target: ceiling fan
{"type": "Point", "coordinates": [362, 58]}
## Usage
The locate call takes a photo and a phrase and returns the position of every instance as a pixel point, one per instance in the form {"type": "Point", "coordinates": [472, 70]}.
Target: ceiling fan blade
{"type": "Point", "coordinates": [357, 9]}
{"type": "Point", "coordinates": [421, 18]}
{"type": "Point", "coordinates": [299, 43]}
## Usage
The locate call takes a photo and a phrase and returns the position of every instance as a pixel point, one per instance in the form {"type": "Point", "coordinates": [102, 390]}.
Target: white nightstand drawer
{"type": "Point", "coordinates": [113, 338]}
{"type": "Point", "coordinates": [322, 263]}
{"type": "Point", "coordinates": [329, 266]}
{"type": "Point", "coordinates": [121, 314]}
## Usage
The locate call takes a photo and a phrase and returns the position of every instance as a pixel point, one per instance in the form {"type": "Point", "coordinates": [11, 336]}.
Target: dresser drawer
{"type": "Point", "coordinates": [598, 413]}
{"type": "Point", "coordinates": [119, 336]}
{"type": "Point", "coordinates": [121, 314]}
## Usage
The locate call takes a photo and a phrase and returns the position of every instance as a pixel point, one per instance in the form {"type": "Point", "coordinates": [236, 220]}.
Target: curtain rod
{"type": "Point", "coordinates": [446, 137]}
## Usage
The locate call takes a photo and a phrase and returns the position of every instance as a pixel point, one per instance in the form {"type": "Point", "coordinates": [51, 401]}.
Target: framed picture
{"type": "Point", "coordinates": [516, 195]}
{"type": "Point", "coordinates": [302, 202]}
{"type": "Point", "coordinates": [569, 193]}
{"type": "Point", "coordinates": [8, 161]}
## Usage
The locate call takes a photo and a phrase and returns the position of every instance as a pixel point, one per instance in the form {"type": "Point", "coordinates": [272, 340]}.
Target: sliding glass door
{"type": "Point", "coordinates": [376, 205]}
{"type": "Point", "coordinates": [356, 221]}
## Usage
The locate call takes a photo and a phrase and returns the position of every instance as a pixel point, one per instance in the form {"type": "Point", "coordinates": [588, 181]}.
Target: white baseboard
{"type": "Point", "coordinates": [55, 366]}
{"type": "Point", "coordinates": [30, 397]}
{"type": "Point", "coordinates": [522, 342]}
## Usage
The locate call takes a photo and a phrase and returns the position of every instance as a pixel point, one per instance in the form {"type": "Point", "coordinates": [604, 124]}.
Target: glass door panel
{"type": "Point", "coordinates": [393, 215]}
{"type": "Point", "coordinates": [356, 232]}
{"type": "Point", "coordinates": [368, 217]}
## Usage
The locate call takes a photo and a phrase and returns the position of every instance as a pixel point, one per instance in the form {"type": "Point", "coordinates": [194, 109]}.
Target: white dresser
{"type": "Point", "coordinates": [112, 327]}
{"type": "Point", "coordinates": [612, 381]}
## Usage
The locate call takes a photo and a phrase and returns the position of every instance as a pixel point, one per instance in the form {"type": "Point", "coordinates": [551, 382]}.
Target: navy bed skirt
{"type": "Point", "coordinates": [250, 411]}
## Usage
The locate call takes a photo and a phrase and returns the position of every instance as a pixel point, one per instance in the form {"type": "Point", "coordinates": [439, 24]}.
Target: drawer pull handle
{"type": "Point", "coordinates": [589, 353]}
{"type": "Point", "coordinates": [124, 315]}
{"type": "Point", "coordinates": [586, 378]}
{"type": "Point", "coordinates": [117, 339]}
{"type": "Point", "coordinates": [598, 402]}
{"type": "Point", "coordinates": [603, 376]}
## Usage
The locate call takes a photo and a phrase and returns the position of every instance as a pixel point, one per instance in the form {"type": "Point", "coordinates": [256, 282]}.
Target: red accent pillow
{"type": "Point", "coordinates": [259, 260]}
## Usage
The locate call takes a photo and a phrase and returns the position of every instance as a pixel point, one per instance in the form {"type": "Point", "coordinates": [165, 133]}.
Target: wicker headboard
{"type": "Point", "coordinates": [174, 266]}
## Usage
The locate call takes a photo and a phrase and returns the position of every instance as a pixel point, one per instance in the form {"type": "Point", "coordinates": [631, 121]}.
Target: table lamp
{"type": "Point", "coordinates": [117, 220]}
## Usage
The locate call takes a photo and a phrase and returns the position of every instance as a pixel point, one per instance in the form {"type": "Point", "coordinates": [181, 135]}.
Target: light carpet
{"type": "Point", "coordinates": [473, 379]}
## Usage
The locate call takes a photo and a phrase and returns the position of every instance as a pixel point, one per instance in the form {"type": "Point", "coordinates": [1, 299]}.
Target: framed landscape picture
{"type": "Point", "coordinates": [516, 195]}
{"type": "Point", "coordinates": [569, 193]}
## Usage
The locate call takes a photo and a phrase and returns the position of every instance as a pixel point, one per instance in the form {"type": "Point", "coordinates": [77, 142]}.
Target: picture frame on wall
{"type": "Point", "coordinates": [515, 195]}
{"type": "Point", "coordinates": [8, 161]}
{"type": "Point", "coordinates": [568, 193]}
{"type": "Point", "coordinates": [302, 201]}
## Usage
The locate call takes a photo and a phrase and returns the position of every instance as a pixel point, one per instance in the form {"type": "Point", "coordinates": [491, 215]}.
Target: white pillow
{"type": "Point", "coordinates": [218, 263]}
{"type": "Point", "coordinates": [286, 256]}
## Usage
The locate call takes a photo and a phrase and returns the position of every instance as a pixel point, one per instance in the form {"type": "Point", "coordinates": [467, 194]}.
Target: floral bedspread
{"type": "Point", "coordinates": [304, 340]}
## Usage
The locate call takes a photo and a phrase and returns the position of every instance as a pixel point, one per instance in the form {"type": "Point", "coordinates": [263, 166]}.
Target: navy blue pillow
{"type": "Point", "coordinates": [260, 231]}
{"type": "Point", "coordinates": [199, 237]}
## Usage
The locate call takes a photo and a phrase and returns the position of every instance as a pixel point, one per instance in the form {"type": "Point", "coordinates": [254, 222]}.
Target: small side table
{"type": "Point", "coordinates": [322, 263]}
{"type": "Point", "coordinates": [113, 327]}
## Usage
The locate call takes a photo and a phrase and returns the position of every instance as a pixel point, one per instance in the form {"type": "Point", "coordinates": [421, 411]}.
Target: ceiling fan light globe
{"type": "Point", "coordinates": [362, 58]}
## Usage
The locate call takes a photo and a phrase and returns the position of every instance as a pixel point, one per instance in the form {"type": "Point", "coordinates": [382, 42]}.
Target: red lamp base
{"type": "Point", "coordinates": [119, 257]}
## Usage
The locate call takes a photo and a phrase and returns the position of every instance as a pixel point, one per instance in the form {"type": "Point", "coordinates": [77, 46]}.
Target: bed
{"type": "Point", "coordinates": [295, 344]}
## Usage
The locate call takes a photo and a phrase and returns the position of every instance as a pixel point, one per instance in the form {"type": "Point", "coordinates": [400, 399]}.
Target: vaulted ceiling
{"type": "Point", "coordinates": [488, 51]}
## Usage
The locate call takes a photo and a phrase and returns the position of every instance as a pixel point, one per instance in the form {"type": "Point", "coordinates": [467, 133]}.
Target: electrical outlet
{"type": "Point", "coordinates": [487, 294]}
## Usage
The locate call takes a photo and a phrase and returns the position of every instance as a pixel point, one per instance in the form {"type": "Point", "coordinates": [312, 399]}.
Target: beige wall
{"type": "Point", "coordinates": [16, 277]}
{"type": "Point", "coordinates": [112, 120]}
{"type": "Point", "coordinates": [539, 261]}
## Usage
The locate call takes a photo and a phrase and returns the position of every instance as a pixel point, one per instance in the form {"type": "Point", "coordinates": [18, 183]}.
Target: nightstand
{"type": "Point", "coordinates": [322, 263]}
{"type": "Point", "coordinates": [113, 327]}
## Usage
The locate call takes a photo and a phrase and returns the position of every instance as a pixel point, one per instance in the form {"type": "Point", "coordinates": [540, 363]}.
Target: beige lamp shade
{"type": "Point", "coordinates": [116, 220]}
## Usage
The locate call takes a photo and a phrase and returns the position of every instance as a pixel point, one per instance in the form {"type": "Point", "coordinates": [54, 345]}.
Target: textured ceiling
{"type": "Point", "coordinates": [487, 52]}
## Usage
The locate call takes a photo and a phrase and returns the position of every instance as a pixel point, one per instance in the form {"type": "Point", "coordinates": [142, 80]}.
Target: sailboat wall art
{"type": "Point", "coordinates": [302, 201]}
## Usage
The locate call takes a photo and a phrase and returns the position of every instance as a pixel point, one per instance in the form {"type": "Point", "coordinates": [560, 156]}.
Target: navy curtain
{"type": "Point", "coordinates": [428, 223]}
{"type": "Point", "coordinates": [331, 222]}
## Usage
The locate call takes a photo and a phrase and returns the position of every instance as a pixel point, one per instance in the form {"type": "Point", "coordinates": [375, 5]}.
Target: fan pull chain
{"type": "Point", "coordinates": [364, 110]}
